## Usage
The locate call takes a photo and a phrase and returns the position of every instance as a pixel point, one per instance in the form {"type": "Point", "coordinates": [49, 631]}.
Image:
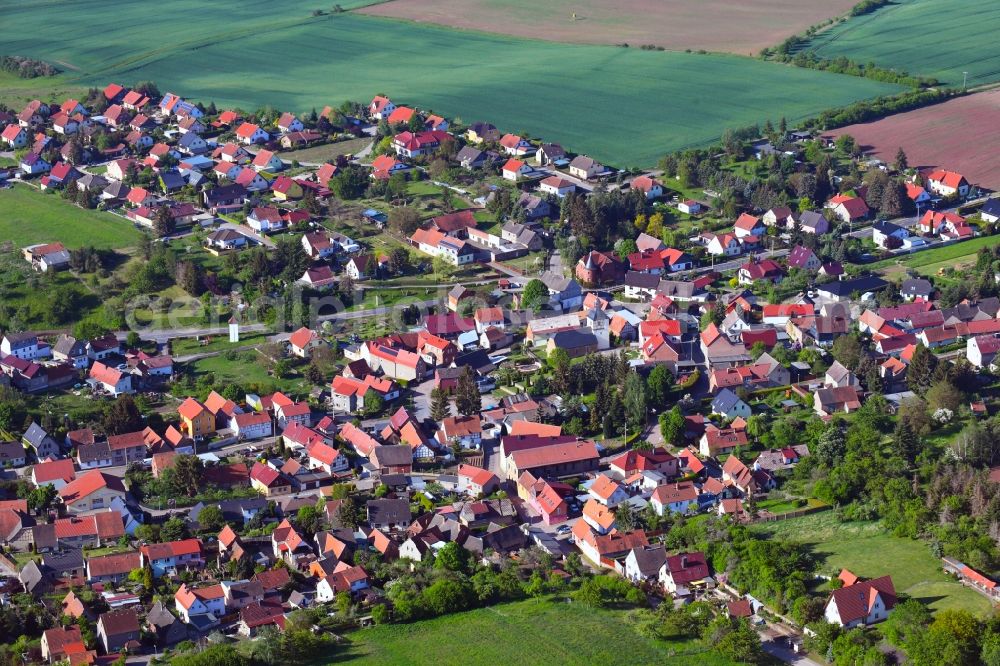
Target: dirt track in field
{"type": "Point", "coordinates": [959, 135]}
{"type": "Point", "coordinates": [731, 26]}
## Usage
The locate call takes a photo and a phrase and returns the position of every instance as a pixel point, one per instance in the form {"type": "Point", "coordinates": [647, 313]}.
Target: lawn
{"type": "Point", "coordinates": [897, 36]}
{"type": "Point", "coordinates": [28, 216]}
{"type": "Point", "coordinates": [218, 343]}
{"type": "Point", "coordinates": [949, 255]}
{"type": "Point", "coordinates": [526, 632]}
{"type": "Point", "coordinates": [327, 151]}
{"type": "Point", "coordinates": [867, 550]}
{"type": "Point", "coordinates": [249, 372]}
{"type": "Point", "coordinates": [660, 101]}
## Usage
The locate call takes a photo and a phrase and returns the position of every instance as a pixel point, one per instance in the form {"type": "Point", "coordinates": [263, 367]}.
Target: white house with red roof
{"type": "Point", "coordinates": [947, 183]}
{"type": "Point", "coordinates": [848, 208]}
{"type": "Point", "coordinates": [303, 341]}
{"type": "Point", "coordinates": [265, 160]}
{"type": "Point", "coordinates": [289, 123]}
{"type": "Point", "coordinates": [15, 136]}
{"type": "Point", "coordinates": [514, 170]}
{"type": "Point", "coordinates": [325, 457]}
{"type": "Point", "coordinates": [748, 225]}
{"type": "Point", "coordinates": [249, 134]}
{"type": "Point", "coordinates": [266, 219]}
{"type": "Point", "coordinates": [652, 188]}
{"type": "Point", "coordinates": [476, 481]}
{"type": "Point", "coordinates": [110, 380]}
{"type": "Point", "coordinates": [515, 145]}
{"type": "Point", "coordinates": [860, 603]}
{"type": "Point", "coordinates": [380, 107]}
{"type": "Point", "coordinates": [384, 166]}
{"type": "Point", "coordinates": [556, 185]}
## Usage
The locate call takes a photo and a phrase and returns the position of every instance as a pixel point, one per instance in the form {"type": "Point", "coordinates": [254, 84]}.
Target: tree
{"type": "Point", "coordinates": [847, 350]}
{"type": "Point", "coordinates": [535, 295]}
{"type": "Point", "coordinates": [658, 383]}
{"type": "Point", "coordinates": [399, 260]}
{"type": "Point", "coordinates": [672, 426]}
{"type": "Point", "coordinates": [831, 447]}
{"type": "Point", "coordinates": [905, 441]}
{"type": "Point", "coordinates": [187, 473]}
{"type": "Point", "coordinates": [452, 557]}
{"type": "Point", "coordinates": [174, 529]}
{"type": "Point", "coordinates": [122, 416]}
{"type": "Point", "coordinates": [440, 406]}
{"type": "Point", "coordinates": [447, 595]}
{"type": "Point", "coordinates": [374, 403]}
{"type": "Point", "coordinates": [404, 220]}
{"type": "Point", "coordinates": [211, 519]}
{"type": "Point", "coordinates": [133, 340]}
{"type": "Point", "coordinates": [920, 371]}
{"type": "Point", "coordinates": [901, 163]}
{"type": "Point", "coordinates": [163, 221]}
{"type": "Point", "coordinates": [468, 400]}
{"type": "Point", "coordinates": [635, 400]}
{"type": "Point", "coordinates": [309, 518]}
{"type": "Point", "coordinates": [943, 395]}
{"type": "Point", "coordinates": [741, 644]}
{"type": "Point", "coordinates": [350, 182]}
{"type": "Point", "coordinates": [41, 498]}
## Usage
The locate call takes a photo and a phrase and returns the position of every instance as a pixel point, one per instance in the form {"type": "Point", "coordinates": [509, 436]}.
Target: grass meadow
{"type": "Point", "coordinates": [28, 216]}
{"type": "Point", "coordinates": [625, 106]}
{"type": "Point", "coordinates": [867, 550]}
{"type": "Point", "coordinates": [536, 631]}
{"type": "Point", "coordinates": [939, 38]}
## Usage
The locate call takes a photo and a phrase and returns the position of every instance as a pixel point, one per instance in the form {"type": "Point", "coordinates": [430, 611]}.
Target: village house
{"type": "Point", "coordinates": [947, 183]}
{"type": "Point", "coordinates": [585, 168]}
{"type": "Point", "coordinates": [860, 603]}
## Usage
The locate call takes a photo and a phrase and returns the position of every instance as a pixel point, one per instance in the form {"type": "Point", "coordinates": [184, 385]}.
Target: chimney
{"type": "Point", "coordinates": [684, 561]}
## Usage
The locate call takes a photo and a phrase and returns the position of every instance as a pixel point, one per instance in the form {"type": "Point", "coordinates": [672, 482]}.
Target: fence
{"type": "Point", "coordinates": [798, 513]}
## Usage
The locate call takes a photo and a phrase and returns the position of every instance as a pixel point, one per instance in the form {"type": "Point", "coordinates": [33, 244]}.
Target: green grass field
{"type": "Point", "coordinates": [625, 106]}
{"type": "Point", "coordinates": [28, 216]}
{"type": "Point", "coordinates": [928, 261]}
{"type": "Point", "coordinates": [526, 632]}
{"type": "Point", "coordinates": [939, 38]}
{"type": "Point", "coordinates": [867, 550]}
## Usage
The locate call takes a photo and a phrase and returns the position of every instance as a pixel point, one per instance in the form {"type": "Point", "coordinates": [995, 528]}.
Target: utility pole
{"type": "Point", "coordinates": [965, 80]}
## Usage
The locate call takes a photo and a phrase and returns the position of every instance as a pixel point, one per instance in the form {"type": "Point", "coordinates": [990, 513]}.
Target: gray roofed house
{"type": "Point", "coordinates": [515, 232]}
{"type": "Point", "coordinates": [388, 513]}
{"type": "Point", "coordinates": [585, 167]}
{"type": "Point", "coordinates": [234, 511]}
{"type": "Point", "coordinates": [470, 157]}
{"type": "Point", "coordinates": [68, 348]}
{"type": "Point", "coordinates": [385, 457]}
{"type": "Point", "coordinates": [644, 562]}
{"type": "Point", "coordinates": [838, 375]}
{"type": "Point", "coordinates": [564, 292]}
{"type": "Point", "coordinates": [34, 579]}
{"type": "Point", "coordinates": [167, 628]}
{"type": "Point", "coordinates": [534, 206]}
{"type": "Point", "coordinates": [171, 181]}
{"type": "Point", "coordinates": [728, 404]}
{"type": "Point", "coordinates": [916, 288]}
{"type": "Point", "coordinates": [116, 190]}
{"type": "Point", "coordinates": [504, 538]}
{"type": "Point", "coordinates": [577, 342]}
{"type": "Point", "coordinates": [843, 289]}
{"type": "Point", "coordinates": [90, 181]}
{"type": "Point", "coordinates": [813, 222]}
{"type": "Point", "coordinates": [548, 153]}
{"type": "Point", "coordinates": [65, 563]}
{"type": "Point", "coordinates": [39, 440]}
{"type": "Point", "coordinates": [12, 454]}
{"type": "Point", "coordinates": [44, 537]}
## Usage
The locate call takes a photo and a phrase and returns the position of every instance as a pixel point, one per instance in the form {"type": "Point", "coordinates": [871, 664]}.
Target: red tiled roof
{"type": "Point", "coordinates": [88, 483]}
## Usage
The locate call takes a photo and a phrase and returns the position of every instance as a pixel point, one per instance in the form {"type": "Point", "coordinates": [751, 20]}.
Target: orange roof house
{"type": "Point", "coordinates": [196, 419]}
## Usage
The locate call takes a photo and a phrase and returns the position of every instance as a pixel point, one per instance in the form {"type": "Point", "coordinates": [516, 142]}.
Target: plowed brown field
{"type": "Point", "coordinates": [743, 27]}
{"type": "Point", "coordinates": [960, 135]}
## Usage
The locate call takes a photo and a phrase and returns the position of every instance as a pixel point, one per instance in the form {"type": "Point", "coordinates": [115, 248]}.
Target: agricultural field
{"type": "Point", "coordinates": [867, 550]}
{"type": "Point", "coordinates": [743, 28]}
{"type": "Point", "coordinates": [237, 53]}
{"type": "Point", "coordinates": [939, 38]}
{"type": "Point", "coordinates": [527, 632]}
{"type": "Point", "coordinates": [28, 216]}
{"type": "Point", "coordinates": [959, 134]}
